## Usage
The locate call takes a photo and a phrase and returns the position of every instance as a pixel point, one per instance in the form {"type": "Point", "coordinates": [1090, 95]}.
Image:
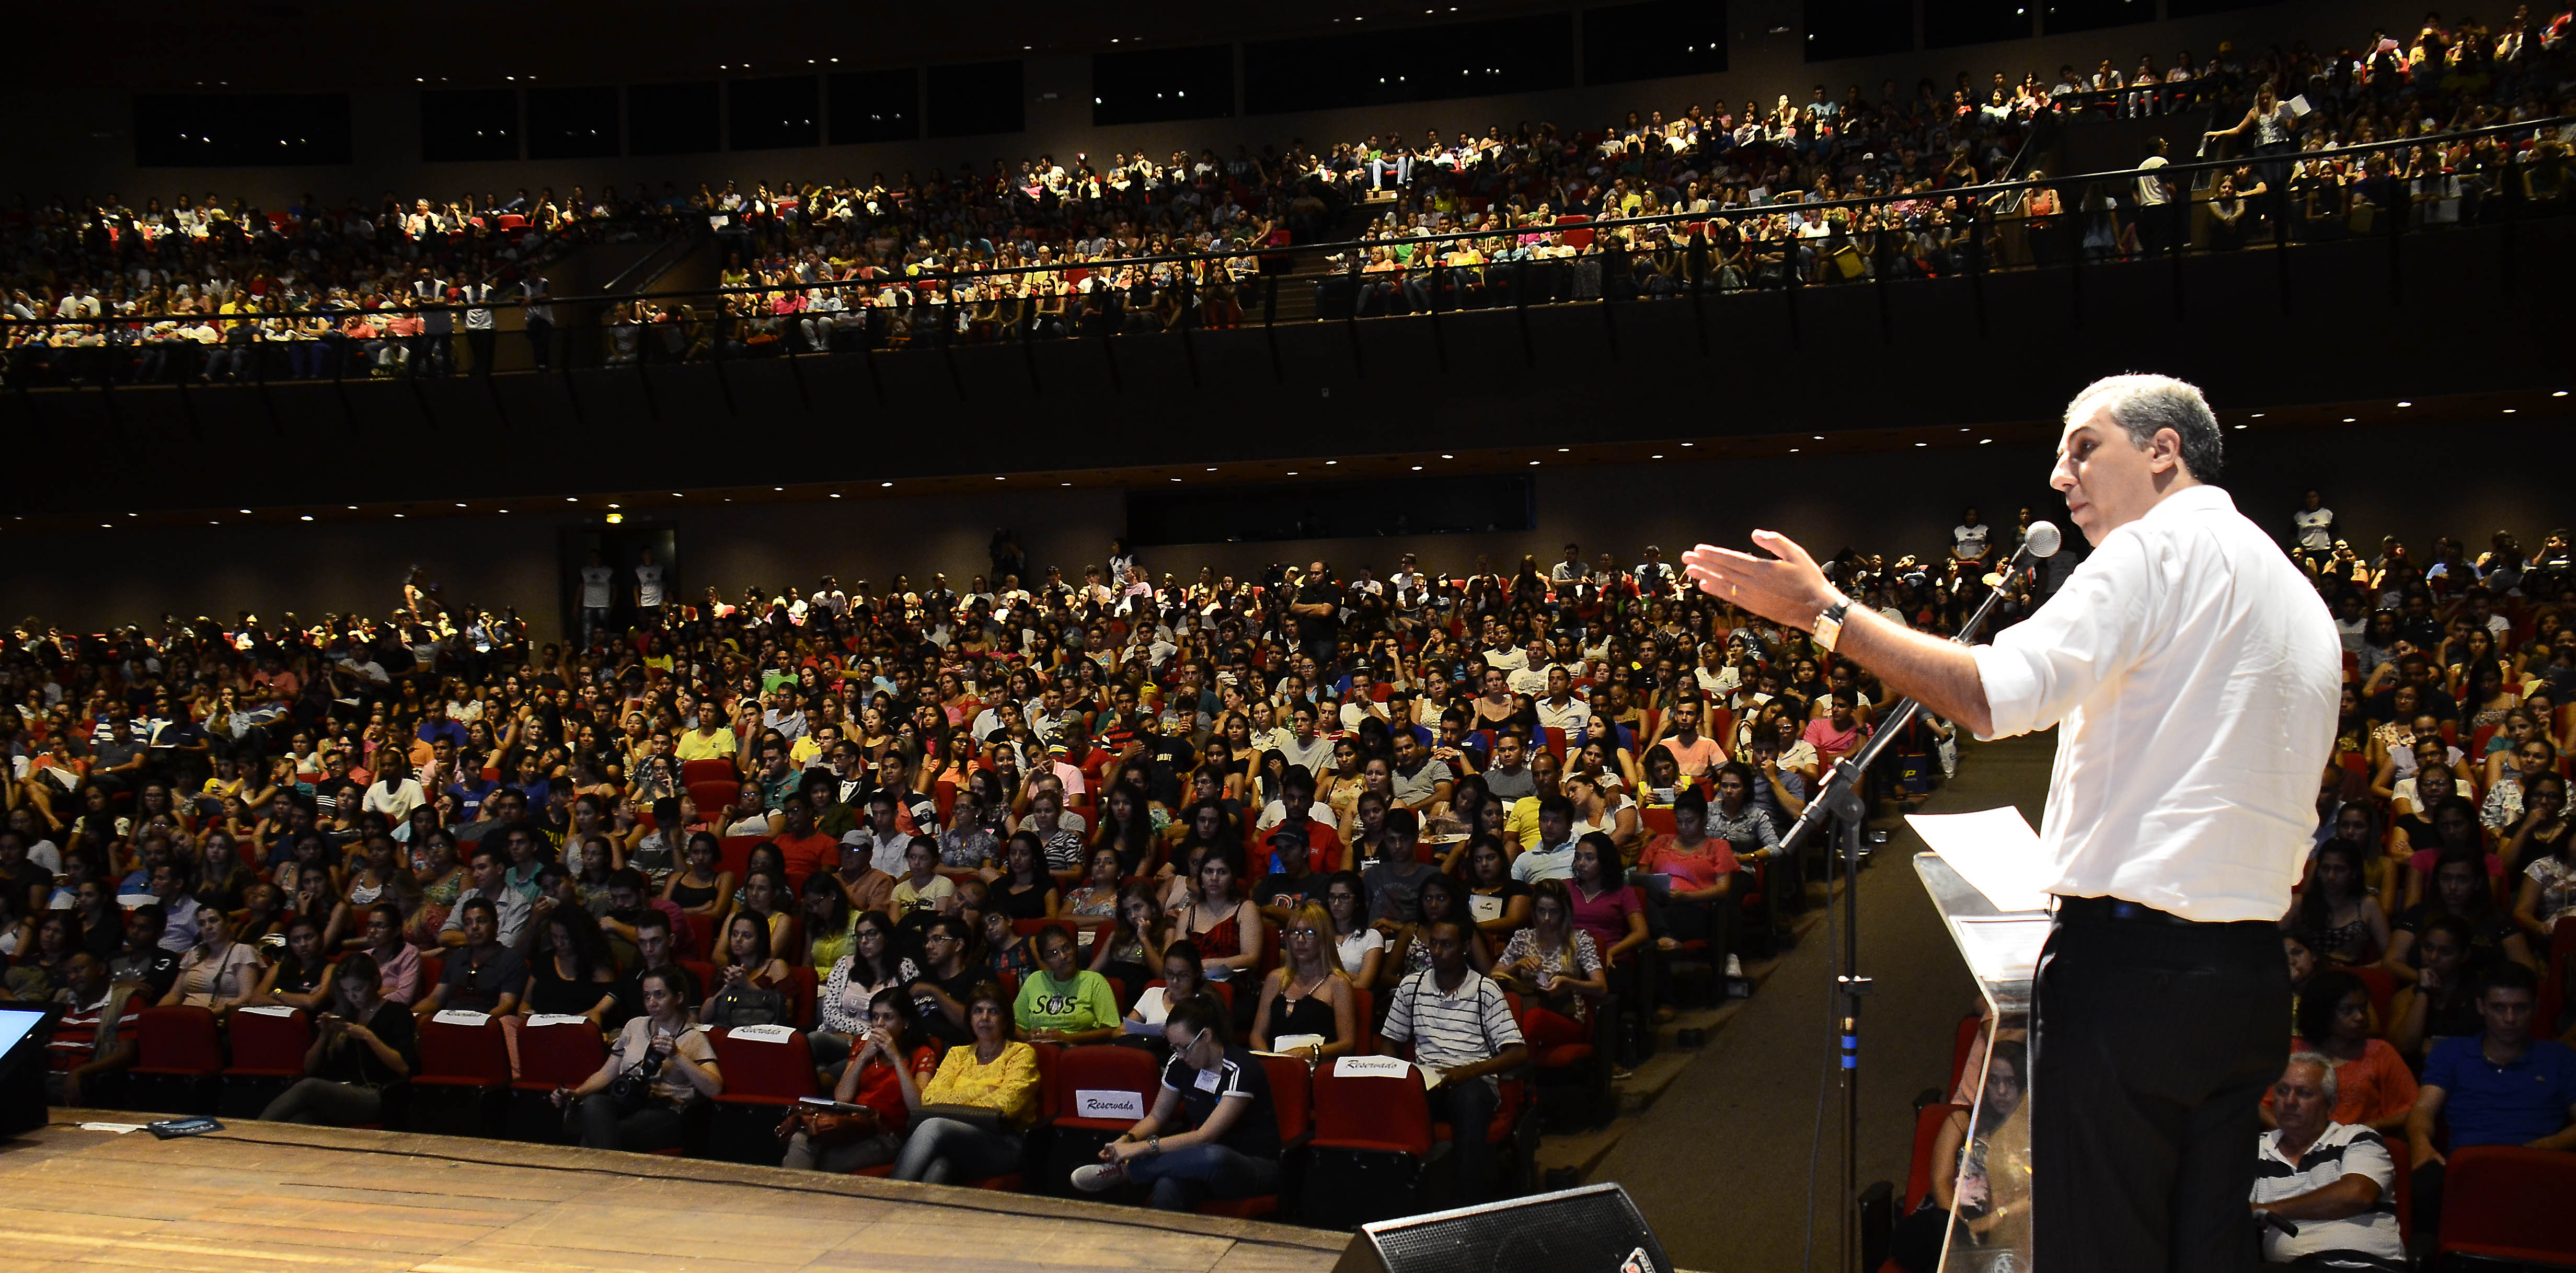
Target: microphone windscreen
{"type": "Point", "coordinates": [2044, 539]}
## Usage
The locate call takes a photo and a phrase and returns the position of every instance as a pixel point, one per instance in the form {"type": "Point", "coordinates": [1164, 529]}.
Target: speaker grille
{"type": "Point", "coordinates": [1581, 1231]}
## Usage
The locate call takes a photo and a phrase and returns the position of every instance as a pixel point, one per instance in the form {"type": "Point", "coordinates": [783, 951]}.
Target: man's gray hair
{"type": "Point", "coordinates": [2325, 1070]}
{"type": "Point", "coordinates": [2141, 404]}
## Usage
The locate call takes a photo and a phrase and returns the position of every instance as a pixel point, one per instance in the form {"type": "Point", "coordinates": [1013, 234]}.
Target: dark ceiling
{"type": "Point", "coordinates": [279, 44]}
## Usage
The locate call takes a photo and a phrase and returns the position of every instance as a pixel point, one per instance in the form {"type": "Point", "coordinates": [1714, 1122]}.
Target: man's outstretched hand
{"type": "Point", "coordinates": [1786, 587]}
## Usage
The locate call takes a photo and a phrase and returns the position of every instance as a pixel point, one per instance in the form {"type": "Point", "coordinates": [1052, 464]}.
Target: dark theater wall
{"type": "Point", "coordinates": [72, 126]}
{"type": "Point", "coordinates": [1894, 502]}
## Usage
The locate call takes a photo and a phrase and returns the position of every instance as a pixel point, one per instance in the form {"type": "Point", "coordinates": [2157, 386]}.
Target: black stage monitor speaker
{"type": "Point", "coordinates": [1594, 1229]}
{"type": "Point", "coordinates": [24, 1031]}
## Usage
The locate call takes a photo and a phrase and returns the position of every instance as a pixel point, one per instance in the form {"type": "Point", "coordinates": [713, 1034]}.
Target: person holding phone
{"type": "Point", "coordinates": [362, 1054]}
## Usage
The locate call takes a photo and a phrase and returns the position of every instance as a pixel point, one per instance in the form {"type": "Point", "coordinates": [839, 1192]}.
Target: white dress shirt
{"type": "Point", "coordinates": [2197, 675]}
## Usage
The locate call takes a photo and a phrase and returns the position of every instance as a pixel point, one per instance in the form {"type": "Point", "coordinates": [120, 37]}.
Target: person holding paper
{"type": "Point", "coordinates": [1223, 1139]}
{"type": "Point", "coordinates": [1306, 1004]}
{"type": "Point", "coordinates": [2196, 676]}
{"type": "Point", "coordinates": [1460, 1024]}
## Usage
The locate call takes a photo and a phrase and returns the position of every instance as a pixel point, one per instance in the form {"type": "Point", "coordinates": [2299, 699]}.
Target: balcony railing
{"type": "Point", "coordinates": [2384, 190]}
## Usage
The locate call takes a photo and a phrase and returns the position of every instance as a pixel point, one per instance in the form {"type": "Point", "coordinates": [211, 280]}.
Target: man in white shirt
{"type": "Point", "coordinates": [597, 581]}
{"type": "Point", "coordinates": [648, 588]}
{"type": "Point", "coordinates": [1561, 709]}
{"type": "Point", "coordinates": [1531, 676]}
{"type": "Point", "coordinates": [1969, 540]}
{"type": "Point", "coordinates": [2333, 1180]}
{"type": "Point", "coordinates": [2196, 674]}
{"type": "Point", "coordinates": [2313, 530]}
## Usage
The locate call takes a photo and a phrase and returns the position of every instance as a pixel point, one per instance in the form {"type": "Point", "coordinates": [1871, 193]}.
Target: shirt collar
{"type": "Point", "coordinates": [2192, 499]}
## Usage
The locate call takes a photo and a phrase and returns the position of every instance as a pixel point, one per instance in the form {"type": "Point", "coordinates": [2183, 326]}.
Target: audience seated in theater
{"type": "Point", "coordinates": [2497, 1087]}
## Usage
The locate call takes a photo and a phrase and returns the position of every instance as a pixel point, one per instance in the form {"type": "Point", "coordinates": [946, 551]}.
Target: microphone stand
{"type": "Point", "coordinates": [1840, 801]}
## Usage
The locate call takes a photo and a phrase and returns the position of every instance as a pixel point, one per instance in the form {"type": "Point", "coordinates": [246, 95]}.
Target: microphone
{"type": "Point", "coordinates": [2043, 539]}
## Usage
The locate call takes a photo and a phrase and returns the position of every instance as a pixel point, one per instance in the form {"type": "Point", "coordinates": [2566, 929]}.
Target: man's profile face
{"type": "Point", "coordinates": [2109, 481]}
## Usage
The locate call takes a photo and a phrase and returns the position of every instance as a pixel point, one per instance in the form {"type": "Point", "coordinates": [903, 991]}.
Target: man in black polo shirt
{"type": "Point", "coordinates": [1224, 1138]}
{"type": "Point", "coordinates": [1318, 608]}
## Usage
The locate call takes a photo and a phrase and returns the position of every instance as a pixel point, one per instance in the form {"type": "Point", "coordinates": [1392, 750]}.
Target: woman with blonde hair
{"type": "Point", "coordinates": [1306, 1003]}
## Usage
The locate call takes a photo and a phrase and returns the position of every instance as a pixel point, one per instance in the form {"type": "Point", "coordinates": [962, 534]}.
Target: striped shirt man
{"type": "Point", "coordinates": [2367, 1240]}
{"type": "Point", "coordinates": [1449, 1028]}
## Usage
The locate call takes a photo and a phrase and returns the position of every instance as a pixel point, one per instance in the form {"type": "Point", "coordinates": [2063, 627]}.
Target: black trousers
{"type": "Point", "coordinates": [2154, 1042]}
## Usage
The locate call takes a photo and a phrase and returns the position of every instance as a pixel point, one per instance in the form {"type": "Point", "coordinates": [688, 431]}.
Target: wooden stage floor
{"type": "Point", "coordinates": [275, 1198]}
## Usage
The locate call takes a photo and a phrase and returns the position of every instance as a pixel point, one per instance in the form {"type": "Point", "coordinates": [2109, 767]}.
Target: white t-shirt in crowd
{"type": "Point", "coordinates": [648, 586]}
{"type": "Point", "coordinates": [2315, 528]}
{"type": "Point", "coordinates": [594, 587]}
{"type": "Point", "coordinates": [1969, 542]}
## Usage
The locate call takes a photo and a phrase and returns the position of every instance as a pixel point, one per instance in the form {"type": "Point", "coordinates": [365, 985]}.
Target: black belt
{"type": "Point", "coordinates": [2111, 910]}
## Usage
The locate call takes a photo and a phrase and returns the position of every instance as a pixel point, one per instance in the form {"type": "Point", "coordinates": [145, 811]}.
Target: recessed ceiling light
{"type": "Point", "coordinates": [1417, 468]}
{"type": "Point", "coordinates": [885, 483]}
{"type": "Point", "coordinates": [460, 504]}
{"type": "Point", "coordinates": [1001, 479]}
{"type": "Point", "coordinates": [1329, 463]}
{"type": "Point", "coordinates": [1446, 456]}
{"type": "Point", "coordinates": [2347, 419]}
{"type": "Point", "coordinates": [1690, 444]}
{"type": "Point", "coordinates": [107, 525]}
{"type": "Point", "coordinates": [1533, 464]}
{"type": "Point", "coordinates": [1965, 429]}
{"type": "Point", "coordinates": [307, 517]}
{"type": "Point", "coordinates": [1563, 449]}
{"type": "Point", "coordinates": [572, 499]}
{"type": "Point", "coordinates": [1654, 457]}
{"type": "Point", "coordinates": [2241, 426]}
{"type": "Point", "coordinates": [2258, 415]}
{"type": "Point", "coordinates": [397, 516]}
{"type": "Point", "coordinates": [676, 495]}
{"type": "Point", "coordinates": [2406, 404]}
{"type": "Point", "coordinates": [214, 523]}
{"type": "Point", "coordinates": [503, 510]}
{"type": "Point", "coordinates": [247, 510]}
{"type": "Point", "coordinates": [835, 495]}
{"type": "Point", "coordinates": [2560, 394]}
{"type": "Point", "coordinates": [778, 488]}
{"type": "Point", "coordinates": [1819, 437]}
{"type": "Point", "coordinates": [1985, 441]}
{"type": "Point", "coordinates": [2508, 411]}
{"type": "Point", "coordinates": [352, 508]}
{"type": "Point", "coordinates": [1211, 468]}
{"type": "Point", "coordinates": [612, 506]}
{"type": "Point", "coordinates": [1793, 450]}
{"type": "Point", "coordinates": [1176, 479]}
{"type": "Point", "coordinates": [1064, 483]}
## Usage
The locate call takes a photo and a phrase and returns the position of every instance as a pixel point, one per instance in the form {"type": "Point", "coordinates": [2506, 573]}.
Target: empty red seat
{"type": "Point", "coordinates": [269, 1046]}
{"type": "Point", "coordinates": [697, 771]}
{"type": "Point", "coordinates": [558, 1055]}
{"type": "Point", "coordinates": [453, 1054]}
{"type": "Point", "coordinates": [2508, 1203]}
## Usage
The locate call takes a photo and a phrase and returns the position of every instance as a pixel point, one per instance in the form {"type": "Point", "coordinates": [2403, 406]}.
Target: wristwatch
{"type": "Point", "coordinates": [1829, 623]}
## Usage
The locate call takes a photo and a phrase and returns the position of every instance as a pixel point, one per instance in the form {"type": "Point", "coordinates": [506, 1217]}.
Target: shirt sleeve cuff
{"type": "Point", "coordinates": [2012, 691]}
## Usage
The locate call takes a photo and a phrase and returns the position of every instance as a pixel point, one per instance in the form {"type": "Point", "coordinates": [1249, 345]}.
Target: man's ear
{"type": "Point", "coordinates": [2164, 452]}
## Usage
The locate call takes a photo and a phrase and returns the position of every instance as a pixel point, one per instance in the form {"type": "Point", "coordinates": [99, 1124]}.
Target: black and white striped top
{"type": "Point", "coordinates": [2368, 1240]}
